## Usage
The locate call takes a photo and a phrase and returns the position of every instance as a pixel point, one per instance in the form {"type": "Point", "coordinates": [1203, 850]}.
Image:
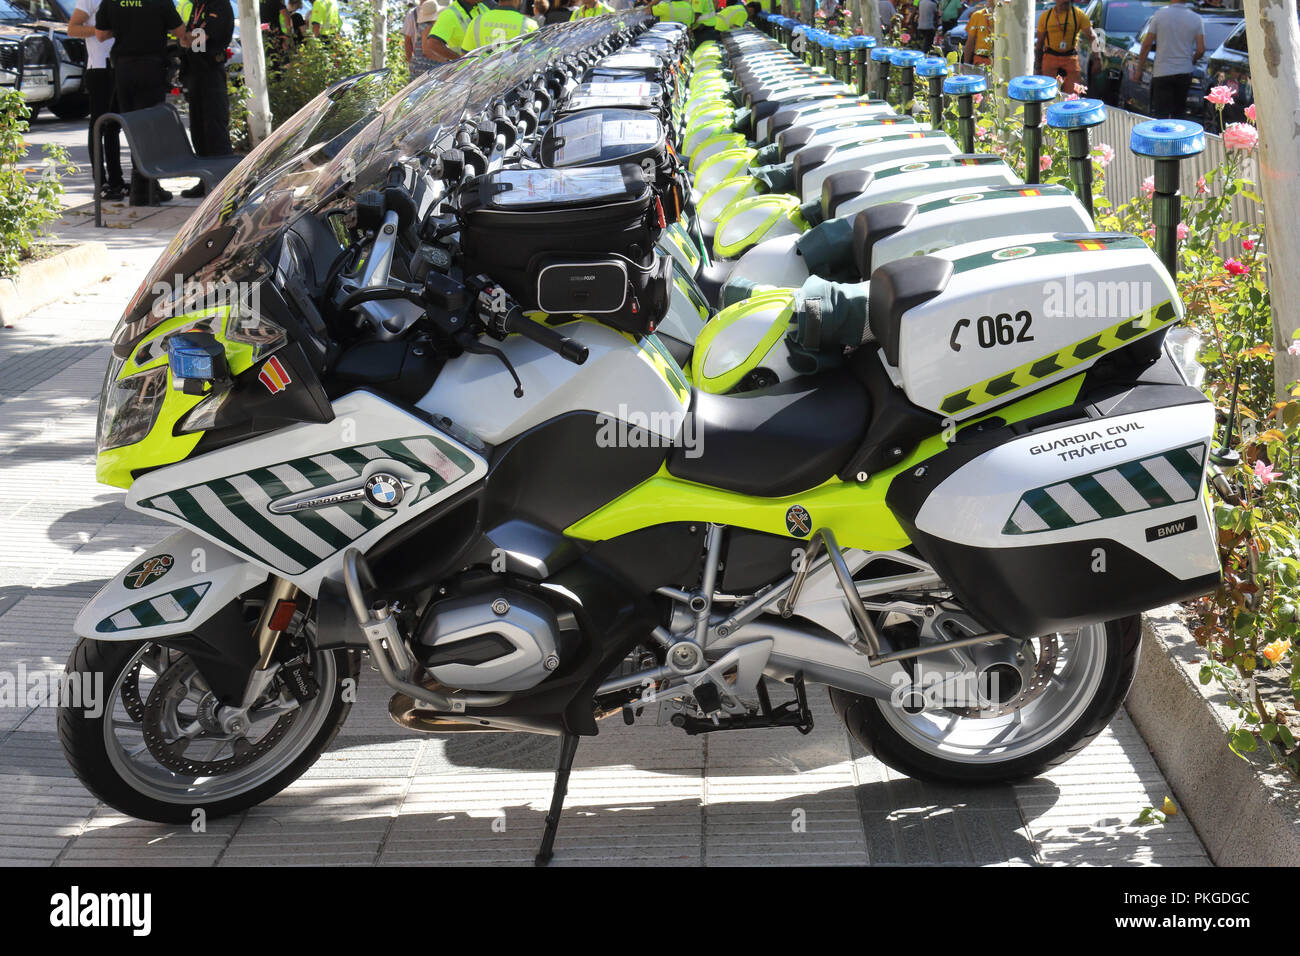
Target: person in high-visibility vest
{"type": "Point", "coordinates": [325, 19]}
{"type": "Point", "coordinates": [674, 11]}
{"type": "Point", "coordinates": [731, 17]}
{"type": "Point", "coordinates": [590, 8]}
{"type": "Point", "coordinates": [497, 26]}
{"type": "Point", "coordinates": [445, 40]}
{"type": "Point", "coordinates": [705, 20]}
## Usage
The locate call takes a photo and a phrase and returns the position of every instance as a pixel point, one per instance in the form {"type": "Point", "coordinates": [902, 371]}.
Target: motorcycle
{"type": "Point", "coordinates": [435, 428]}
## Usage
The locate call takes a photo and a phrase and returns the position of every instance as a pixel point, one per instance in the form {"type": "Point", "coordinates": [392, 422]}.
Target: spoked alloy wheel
{"type": "Point", "coordinates": [1078, 682]}
{"type": "Point", "coordinates": [160, 748]}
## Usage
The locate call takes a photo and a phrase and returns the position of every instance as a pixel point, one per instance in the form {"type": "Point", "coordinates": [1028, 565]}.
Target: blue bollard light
{"type": "Point", "coordinates": [1077, 117]}
{"type": "Point", "coordinates": [906, 61]}
{"type": "Point", "coordinates": [933, 69]}
{"type": "Point", "coordinates": [861, 57]}
{"type": "Point", "coordinates": [1168, 142]}
{"type": "Point", "coordinates": [880, 67]}
{"type": "Point", "coordinates": [1033, 92]}
{"type": "Point", "coordinates": [965, 88]}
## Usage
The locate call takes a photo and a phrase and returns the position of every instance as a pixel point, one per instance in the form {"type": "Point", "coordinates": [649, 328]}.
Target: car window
{"type": "Point", "coordinates": [1237, 41]}
{"type": "Point", "coordinates": [1128, 17]}
{"type": "Point", "coordinates": [11, 14]}
{"type": "Point", "coordinates": [44, 9]}
{"type": "Point", "coordinates": [1216, 31]}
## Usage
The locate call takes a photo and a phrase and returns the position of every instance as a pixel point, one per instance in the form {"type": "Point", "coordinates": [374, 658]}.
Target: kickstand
{"type": "Point", "coordinates": [568, 748]}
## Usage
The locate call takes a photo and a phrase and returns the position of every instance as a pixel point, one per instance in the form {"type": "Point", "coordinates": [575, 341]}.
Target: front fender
{"type": "Point", "coordinates": [172, 589]}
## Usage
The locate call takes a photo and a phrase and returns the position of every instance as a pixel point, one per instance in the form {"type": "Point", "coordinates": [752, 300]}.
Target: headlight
{"type": "Point", "coordinates": [34, 52]}
{"type": "Point", "coordinates": [1184, 345]}
{"type": "Point", "coordinates": [204, 415]}
{"type": "Point", "coordinates": [128, 409]}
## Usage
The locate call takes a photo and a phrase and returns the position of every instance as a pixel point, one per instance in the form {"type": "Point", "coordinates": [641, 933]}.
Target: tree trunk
{"type": "Point", "coordinates": [259, 104]}
{"type": "Point", "coordinates": [1273, 35]}
{"type": "Point", "coordinates": [868, 12]}
{"type": "Point", "coordinates": [378, 35]}
{"type": "Point", "coordinates": [1013, 47]}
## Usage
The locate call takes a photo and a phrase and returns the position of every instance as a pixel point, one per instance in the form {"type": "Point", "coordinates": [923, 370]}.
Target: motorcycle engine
{"type": "Point", "coordinates": [502, 640]}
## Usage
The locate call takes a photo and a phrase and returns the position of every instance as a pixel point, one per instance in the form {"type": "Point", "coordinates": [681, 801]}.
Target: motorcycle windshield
{"type": "Point", "coordinates": [341, 143]}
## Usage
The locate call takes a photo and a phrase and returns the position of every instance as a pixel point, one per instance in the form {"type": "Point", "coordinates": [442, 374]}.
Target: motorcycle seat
{"type": "Point", "coordinates": [774, 441]}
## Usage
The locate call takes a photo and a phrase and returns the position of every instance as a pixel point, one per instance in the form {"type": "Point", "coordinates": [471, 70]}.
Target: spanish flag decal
{"type": "Point", "coordinates": [274, 376]}
{"type": "Point", "coordinates": [1031, 192]}
{"type": "Point", "coordinates": [1090, 245]}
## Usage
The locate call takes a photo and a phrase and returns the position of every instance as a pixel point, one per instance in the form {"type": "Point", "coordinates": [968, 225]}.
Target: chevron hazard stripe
{"type": "Point", "coordinates": [1031, 373]}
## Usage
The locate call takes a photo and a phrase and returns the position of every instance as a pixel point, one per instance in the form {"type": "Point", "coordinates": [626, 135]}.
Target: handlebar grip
{"type": "Point", "coordinates": [547, 338]}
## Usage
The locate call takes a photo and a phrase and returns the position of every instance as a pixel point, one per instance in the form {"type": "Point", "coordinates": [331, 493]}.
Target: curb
{"type": "Point", "coordinates": [48, 280]}
{"type": "Point", "coordinates": [1246, 812]}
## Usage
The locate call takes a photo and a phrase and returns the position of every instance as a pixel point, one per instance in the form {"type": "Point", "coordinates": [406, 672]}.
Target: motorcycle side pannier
{"type": "Point", "coordinates": [1042, 529]}
{"type": "Point", "coordinates": [540, 229]}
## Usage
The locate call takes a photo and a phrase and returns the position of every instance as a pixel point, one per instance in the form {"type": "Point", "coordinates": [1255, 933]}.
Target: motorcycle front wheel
{"type": "Point", "coordinates": [151, 747]}
{"type": "Point", "coordinates": [1085, 677]}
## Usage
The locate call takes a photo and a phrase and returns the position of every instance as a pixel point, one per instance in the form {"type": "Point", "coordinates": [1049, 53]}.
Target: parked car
{"type": "Point", "coordinates": [1229, 65]}
{"type": "Point", "coordinates": [38, 57]}
{"type": "Point", "coordinates": [1117, 24]}
{"type": "Point", "coordinates": [955, 39]}
{"type": "Point", "coordinates": [1135, 95]}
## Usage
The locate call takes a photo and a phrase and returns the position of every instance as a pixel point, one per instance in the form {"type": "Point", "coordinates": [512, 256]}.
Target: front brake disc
{"type": "Point", "coordinates": [169, 733]}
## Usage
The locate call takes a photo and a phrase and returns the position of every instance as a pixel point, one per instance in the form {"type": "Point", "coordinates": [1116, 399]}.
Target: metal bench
{"type": "Point", "coordinates": [160, 149]}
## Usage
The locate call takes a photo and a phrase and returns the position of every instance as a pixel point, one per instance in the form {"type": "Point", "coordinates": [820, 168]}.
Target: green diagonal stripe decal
{"type": "Point", "coordinates": [1157, 481]}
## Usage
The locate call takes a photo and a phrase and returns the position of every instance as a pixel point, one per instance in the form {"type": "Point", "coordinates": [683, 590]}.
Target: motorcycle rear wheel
{"type": "Point", "coordinates": [103, 751]}
{"type": "Point", "coordinates": [948, 747]}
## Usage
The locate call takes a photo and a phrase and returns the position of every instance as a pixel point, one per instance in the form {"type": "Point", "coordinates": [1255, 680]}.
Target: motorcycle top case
{"type": "Point", "coordinates": [520, 223]}
{"type": "Point", "coordinates": [974, 326]}
{"type": "Point", "coordinates": [1043, 529]}
{"type": "Point", "coordinates": [608, 137]}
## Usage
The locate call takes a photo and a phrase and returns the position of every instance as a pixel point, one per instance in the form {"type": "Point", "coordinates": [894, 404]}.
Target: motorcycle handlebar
{"type": "Point", "coordinates": [547, 338]}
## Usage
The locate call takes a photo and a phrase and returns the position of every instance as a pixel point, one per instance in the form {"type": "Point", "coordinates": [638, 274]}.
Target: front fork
{"type": "Point", "coordinates": [277, 613]}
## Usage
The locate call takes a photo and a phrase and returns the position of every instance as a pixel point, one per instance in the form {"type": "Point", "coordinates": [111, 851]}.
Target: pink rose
{"type": "Point", "coordinates": [1202, 187]}
{"type": "Point", "coordinates": [1080, 89]}
{"type": "Point", "coordinates": [1149, 187]}
{"type": "Point", "coordinates": [1221, 96]}
{"type": "Point", "coordinates": [1107, 155]}
{"type": "Point", "coordinates": [1240, 136]}
{"type": "Point", "coordinates": [1265, 472]}
{"type": "Point", "coordinates": [1044, 163]}
{"type": "Point", "coordinates": [977, 99]}
{"type": "Point", "coordinates": [1248, 245]}
{"type": "Point", "coordinates": [1236, 267]}
{"type": "Point", "coordinates": [1250, 112]}
{"type": "Point", "coordinates": [1070, 96]}
{"type": "Point", "coordinates": [1183, 231]}
{"type": "Point", "coordinates": [905, 38]}
{"type": "Point", "coordinates": [981, 132]}
{"type": "Point", "coordinates": [1293, 348]}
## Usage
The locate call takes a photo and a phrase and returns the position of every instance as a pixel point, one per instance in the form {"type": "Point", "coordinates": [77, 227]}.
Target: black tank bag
{"type": "Point", "coordinates": [571, 242]}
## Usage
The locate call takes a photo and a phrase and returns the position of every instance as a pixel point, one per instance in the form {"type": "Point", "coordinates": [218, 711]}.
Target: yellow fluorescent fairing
{"type": "Point", "coordinates": [161, 446]}
{"type": "Point", "coordinates": [855, 512]}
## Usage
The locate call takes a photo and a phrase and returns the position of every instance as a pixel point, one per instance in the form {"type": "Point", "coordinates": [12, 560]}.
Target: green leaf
{"type": "Point", "coordinates": [1243, 742]}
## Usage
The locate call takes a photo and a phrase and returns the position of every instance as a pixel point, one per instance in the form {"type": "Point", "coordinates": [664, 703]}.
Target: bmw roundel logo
{"type": "Point", "coordinates": [384, 490]}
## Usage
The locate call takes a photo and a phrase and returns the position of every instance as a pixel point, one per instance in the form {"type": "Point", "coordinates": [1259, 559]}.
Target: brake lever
{"type": "Point", "coordinates": [471, 343]}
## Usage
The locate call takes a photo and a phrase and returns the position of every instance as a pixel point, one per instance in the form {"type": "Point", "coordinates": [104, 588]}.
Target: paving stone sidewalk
{"type": "Point", "coordinates": [640, 795]}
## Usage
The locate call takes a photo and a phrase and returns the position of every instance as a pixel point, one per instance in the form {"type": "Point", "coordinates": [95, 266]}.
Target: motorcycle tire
{"type": "Point", "coordinates": [84, 739]}
{"type": "Point", "coordinates": [867, 722]}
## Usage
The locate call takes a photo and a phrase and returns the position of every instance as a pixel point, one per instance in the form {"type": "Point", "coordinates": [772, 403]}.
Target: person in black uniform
{"type": "Point", "coordinates": [211, 25]}
{"type": "Point", "coordinates": [139, 30]}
